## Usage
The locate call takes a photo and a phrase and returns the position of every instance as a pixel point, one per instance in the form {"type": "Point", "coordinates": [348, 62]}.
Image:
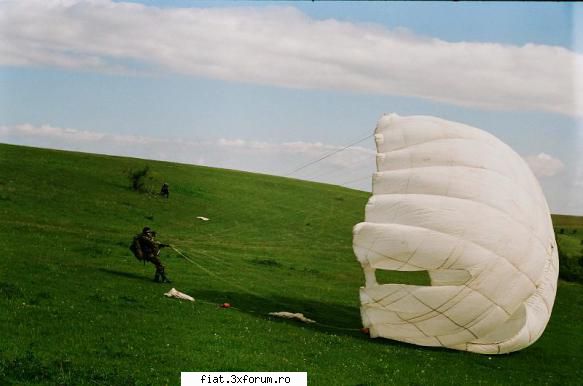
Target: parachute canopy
{"type": "Point", "coordinates": [458, 203]}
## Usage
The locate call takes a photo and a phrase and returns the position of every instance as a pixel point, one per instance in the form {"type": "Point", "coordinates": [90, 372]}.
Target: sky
{"type": "Point", "coordinates": [271, 86]}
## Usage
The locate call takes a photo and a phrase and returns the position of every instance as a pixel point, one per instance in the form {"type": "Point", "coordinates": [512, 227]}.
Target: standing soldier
{"type": "Point", "coordinates": [148, 249]}
{"type": "Point", "coordinates": [164, 192]}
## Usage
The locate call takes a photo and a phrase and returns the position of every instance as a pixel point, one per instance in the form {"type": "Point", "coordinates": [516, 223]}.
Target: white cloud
{"type": "Point", "coordinates": [240, 154]}
{"type": "Point", "coordinates": [544, 165]}
{"type": "Point", "coordinates": [283, 47]}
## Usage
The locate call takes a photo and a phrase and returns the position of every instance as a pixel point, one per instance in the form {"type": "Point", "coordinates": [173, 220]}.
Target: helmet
{"type": "Point", "coordinates": [146, 230]}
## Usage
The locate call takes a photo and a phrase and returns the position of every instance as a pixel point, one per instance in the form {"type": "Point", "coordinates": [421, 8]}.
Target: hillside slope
{"type": "Point", "coordinates": [77, 308]}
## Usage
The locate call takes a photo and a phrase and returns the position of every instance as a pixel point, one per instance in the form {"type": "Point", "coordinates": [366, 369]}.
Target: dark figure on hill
{"type": "Point", "coordinates": [164, 192]}
{"type": "Point", "coordinates": [146, 248]}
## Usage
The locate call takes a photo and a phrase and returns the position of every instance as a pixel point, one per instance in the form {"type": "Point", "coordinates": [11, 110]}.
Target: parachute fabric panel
{"type": "Point", "coordinates": [457, 202]}
{"type": "Point", "coordinates": [174, 293]}
{"type": "Point", "coordinates": [292, 315]}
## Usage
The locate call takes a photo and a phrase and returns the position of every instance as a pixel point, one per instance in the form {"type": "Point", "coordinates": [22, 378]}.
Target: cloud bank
{"type": "Point", "coordinates": [355, 164]}
{"type": "Point", "coordinates": [281, 46]}
{"type": "Point", "coordinates": [352, 167]}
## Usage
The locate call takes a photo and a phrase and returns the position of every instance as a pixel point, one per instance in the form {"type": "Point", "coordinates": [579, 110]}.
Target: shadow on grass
{"type": "Point", "coordinates": [337, 315]}
{"type": "Point", "coordinates": [333, 318]}
{"type": "Point", "coordinates": [128, 275]}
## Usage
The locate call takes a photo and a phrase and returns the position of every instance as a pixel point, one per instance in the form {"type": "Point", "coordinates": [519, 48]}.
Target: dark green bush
{"type": "Point", "coordinates": [570, 267]}
{"type": "Point", "coordinates": [138, 178]}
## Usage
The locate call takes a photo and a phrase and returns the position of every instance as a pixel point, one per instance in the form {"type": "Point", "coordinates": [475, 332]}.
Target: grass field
{"type": "Point", "coordinates": [76, 308]}
{"type": "Point", "coordinates": [569, 233]}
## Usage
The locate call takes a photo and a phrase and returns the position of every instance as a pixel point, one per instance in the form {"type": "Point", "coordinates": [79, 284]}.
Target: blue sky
{"type": "Point", "coordinates": [268, 86]}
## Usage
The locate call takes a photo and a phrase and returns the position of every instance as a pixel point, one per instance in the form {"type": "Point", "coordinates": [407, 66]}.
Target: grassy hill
{"type": "Point", "coordinates": [76, 308]}
{"type": "Point", "coordinates": [569, 233]}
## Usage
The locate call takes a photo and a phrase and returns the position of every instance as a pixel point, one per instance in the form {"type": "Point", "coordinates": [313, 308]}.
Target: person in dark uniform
{"type": "Point", "coordinates": [165, 192]}
{"type": "Point", "coordinates": [150, 251]}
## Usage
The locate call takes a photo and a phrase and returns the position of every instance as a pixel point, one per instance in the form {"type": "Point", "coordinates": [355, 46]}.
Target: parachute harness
{"type": "Point", "coordinates": [209, 272]}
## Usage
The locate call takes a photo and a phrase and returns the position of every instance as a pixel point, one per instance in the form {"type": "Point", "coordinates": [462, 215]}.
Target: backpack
{"type": "Point", "coordinates": [136, 248]}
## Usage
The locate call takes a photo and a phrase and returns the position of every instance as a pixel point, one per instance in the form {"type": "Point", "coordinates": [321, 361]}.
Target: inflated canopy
{"type": "Point", "coordinates": [457, 202]}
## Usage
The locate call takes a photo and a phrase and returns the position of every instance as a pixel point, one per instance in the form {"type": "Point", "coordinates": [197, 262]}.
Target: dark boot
{"type": "Point", "coordinates": [162, 275]}
{"type": "Point", "coordinates": [157, 277]}
{"type": "Point", "coordinates": [165, 279]}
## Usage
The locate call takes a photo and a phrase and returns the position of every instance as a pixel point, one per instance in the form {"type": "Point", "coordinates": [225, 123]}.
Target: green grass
{"type": "Point", "coordinates": [569, 233]}
{"type": "Point", "coordinates": [560, 220]}
{"type": "Point", "coordinates": [76, 308]}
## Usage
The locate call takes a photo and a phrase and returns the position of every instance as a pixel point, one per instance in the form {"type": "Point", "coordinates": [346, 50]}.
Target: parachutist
{"type": "Point", "coordinates": [146, 248]}
{"type": "Point", "coordinates": [164, 191]}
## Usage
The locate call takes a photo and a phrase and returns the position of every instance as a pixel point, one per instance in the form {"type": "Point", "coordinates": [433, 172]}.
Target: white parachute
{"type": "Point", "coordinates": [458, 203]}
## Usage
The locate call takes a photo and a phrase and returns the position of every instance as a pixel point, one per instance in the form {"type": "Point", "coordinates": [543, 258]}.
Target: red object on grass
{"type": "Point", "coordinates": [225, 305]}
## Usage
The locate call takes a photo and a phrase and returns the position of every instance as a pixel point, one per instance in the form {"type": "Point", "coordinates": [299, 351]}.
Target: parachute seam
{"type": "Point", "coordinates": [490, 300]}
{"type": "Point", "coordinates": [487, 297]}
{"type": "Point", "coordinates": [548, 307]}
{"type": "Point", "coordinates": [447, 259]}
{"type": "Point", "coordinates": [514, 337]}
{"type": "Point", "coordinates": [389, 257]}
{"type": "Point", "coordinates": [437, 312]}
{"type": "Point", "coordinates": [476, 319]}
{"type": "Point", "coordinates": [490, 144]}
{"type": "Point", "coordinates": [413, 324]}
{"type": "Point", "coordinates": [512, 180]}
{"type": "Point", "coordinates": [392, 302]}
{"type": "Point", "coordinates": [466, 326]}
{"type": "Point", "coordinates": [488, 206]}
{"type": "Point", "coordinates": [480, 316]}
{"type": "Point", "coordinates": [536, 294]}
{"type": "Point", "coordinates": [378, 301]}
{"type": "Point", "coordinates": [448, 234]}
{"type": "Point", "coordinates": [447, 317]}
{"type": "Point", "coordinates": [433, 140]}
{"type": "Point", "coordinates": [412, 254]}
{"type": "Point", "coordinates": [524, 226]}
{"type": "Point", "coordinates": [412, 320]}
{"type": "Point", "coordinates": [473, 277]}
{"type": "Point", "coordinates": [459, 241]}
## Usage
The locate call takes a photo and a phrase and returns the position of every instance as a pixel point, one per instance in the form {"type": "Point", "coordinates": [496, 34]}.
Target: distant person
{"type": "Point", "coordinates": [146, 248]}
{"type": "Point", "coordinates": [164, 192]}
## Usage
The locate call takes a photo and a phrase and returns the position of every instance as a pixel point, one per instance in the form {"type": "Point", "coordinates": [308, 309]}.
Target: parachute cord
{"type": "Point", "coordinates": [215, 275]}
{"type": "Point", "coordinates": [246, 290]}
{"type": "Point", "coordinates": [327, 155]}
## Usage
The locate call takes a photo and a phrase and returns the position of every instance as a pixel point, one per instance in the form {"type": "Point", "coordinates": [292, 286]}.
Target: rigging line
{"type": "Point", "coordinates": [327, 155]}
{"type": "Point", "coordinates": [328, 170]}
{"type": "Point", "coordinates": [209, 272]}
{"type": "Point", "coordinates": [327, 173]}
